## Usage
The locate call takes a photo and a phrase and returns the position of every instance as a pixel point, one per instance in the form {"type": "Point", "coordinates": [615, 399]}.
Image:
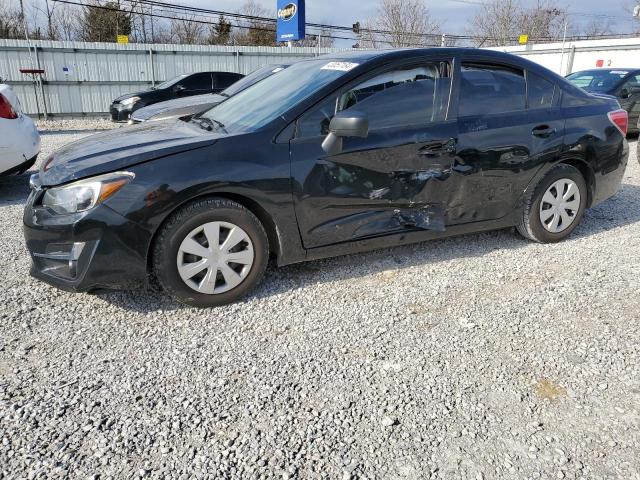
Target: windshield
{"type": "Point", "coordinates": [252, 78]}
{"type": "Point", "coordinates": [168, 83]}
{"type": "Point", "coordinates": [597, 80]}
{"type": "Point", "coordinates": [265, 101]}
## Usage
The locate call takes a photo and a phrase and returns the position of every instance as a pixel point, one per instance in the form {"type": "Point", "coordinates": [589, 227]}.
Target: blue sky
{"type": "Point", "coordinates": [452, 15]}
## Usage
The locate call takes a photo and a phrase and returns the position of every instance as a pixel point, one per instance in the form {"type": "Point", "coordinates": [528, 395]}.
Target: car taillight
{"type": "Point", "coordinates": [620, 118]}
{"type": "Point", "coordinates": [6, 110]}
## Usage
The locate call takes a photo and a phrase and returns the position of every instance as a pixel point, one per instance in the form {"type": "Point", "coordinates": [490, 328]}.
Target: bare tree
{"type": "Point", "coordinates": [543, 21]}
{"type": "Point", "coordinates": [188, 30]}
{"type": "Point", "coordinates": [400, 23]}
{"type": "Point", "coordinates": [501, 22]}
{"type": "Point", "coordinates": [10, 21]}
{"type": "Point", "coordinates": [254, 31]}
{"type": "Point", "coordinates": [597, 27]}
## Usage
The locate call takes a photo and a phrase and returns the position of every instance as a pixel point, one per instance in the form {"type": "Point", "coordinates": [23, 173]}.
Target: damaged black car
{"type": "Point", "coordinates": [334, 155]}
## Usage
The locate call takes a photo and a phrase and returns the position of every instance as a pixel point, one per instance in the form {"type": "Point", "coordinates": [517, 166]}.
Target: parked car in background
{"type": "Point", "coordinates": [622, 83]}
{"type": "Point", "coordinates": [178, 87]}
{"type": "Point", "coordinates": [19, 138]}
{"type": "Point", "coordinates": [334, 155]}
{"type": "Point", "coordinates": [180, 107]}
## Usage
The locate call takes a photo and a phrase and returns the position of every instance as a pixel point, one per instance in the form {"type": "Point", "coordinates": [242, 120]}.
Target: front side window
{"type": "Point", "coordinates": [540, 91]}
{"type": "Point", "coordinates": [170, 83]}
{"type": "Point", "coordinates": [486, 90]}
{"type": "Point", "coordinates": [414, 95]}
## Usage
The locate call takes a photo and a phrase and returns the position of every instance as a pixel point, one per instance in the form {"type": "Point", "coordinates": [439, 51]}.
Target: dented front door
{"type": "Point", "coordinates": [395, 180]}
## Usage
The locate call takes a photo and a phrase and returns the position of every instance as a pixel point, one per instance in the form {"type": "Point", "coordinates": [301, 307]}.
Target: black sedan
{"type": "Point", "coordinates": [180, 107]}
{"type": "Point", "coordinates": [622, 83]}
{"type": "Point", "coordinates": [178, 87]}
{"type": "Point", "coordinates": [334, 155]}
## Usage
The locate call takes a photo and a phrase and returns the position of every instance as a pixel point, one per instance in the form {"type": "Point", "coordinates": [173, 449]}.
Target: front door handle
{"type": "Point", "coordinates": [543, 131]}
{"type": "Point", "coordinates": [438, 147]}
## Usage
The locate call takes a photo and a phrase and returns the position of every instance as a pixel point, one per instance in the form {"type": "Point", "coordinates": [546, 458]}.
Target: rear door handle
{"type": "Point", "coordinates": [438, 147]}
{"type": "Point", "coordinates": [543, 131]}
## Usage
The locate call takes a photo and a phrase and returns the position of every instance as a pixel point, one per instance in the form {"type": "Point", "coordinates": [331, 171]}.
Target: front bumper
{"type": "Point", "coordinates": [93, 250]}
{"type": "Point", "coordinates": [120, 113]}
{"type": "Point", "coordinates": [21, 168]}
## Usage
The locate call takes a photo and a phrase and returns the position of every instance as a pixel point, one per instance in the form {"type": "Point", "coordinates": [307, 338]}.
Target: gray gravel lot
{"type": "Point", "coordinates": [482, 356]}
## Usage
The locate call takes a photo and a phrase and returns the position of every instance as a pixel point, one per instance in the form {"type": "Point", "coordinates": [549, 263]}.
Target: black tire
{"type": "Point", "coordinates": [531, 226]}
{"type": "Point", "coordinates": [190, 217]}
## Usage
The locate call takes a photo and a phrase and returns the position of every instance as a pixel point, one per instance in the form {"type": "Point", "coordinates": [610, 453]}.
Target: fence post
{"type": "Point", "coordinates": [572, 56]}
{"type": "Point", "coordinates": [238, 61]}
{"type": "Point", "coordinates": [153, 71]}
{"type": "Point", "coordinates": [40, 84]}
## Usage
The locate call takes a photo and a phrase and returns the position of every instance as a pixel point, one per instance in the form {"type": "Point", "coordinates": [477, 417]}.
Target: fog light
{"type": "Point", "coordinates": [61, 259]}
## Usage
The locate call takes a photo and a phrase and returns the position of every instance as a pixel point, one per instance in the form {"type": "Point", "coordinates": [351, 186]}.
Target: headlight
{"type": "Point", "coordinates": [129, 101]}
{"type": "Point", "coordinates": [84, 194]}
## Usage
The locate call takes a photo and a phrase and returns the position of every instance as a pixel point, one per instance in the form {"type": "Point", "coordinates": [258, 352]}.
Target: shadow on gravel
{"type": "Point", "coordinates": [14, 189]}
{"type": "Point", "coordinates": [621, 210]}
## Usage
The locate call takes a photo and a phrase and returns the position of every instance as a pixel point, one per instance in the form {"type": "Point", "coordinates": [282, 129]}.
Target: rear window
{"type": "Point", "coordinates": [597, 80]}
{"type": "Point", "coordinates": [491, 89]}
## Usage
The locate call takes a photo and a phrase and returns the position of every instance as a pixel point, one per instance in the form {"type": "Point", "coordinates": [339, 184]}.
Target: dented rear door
{"type": "Point", "coordinates": [396, 179]}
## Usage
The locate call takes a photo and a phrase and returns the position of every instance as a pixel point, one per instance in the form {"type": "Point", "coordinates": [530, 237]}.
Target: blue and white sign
{"type": "Point", "coordinates": [290, 20]}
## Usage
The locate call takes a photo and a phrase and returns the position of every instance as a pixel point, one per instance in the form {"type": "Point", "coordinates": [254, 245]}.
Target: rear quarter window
{"type": "Point", "coordinates": [540, 91]}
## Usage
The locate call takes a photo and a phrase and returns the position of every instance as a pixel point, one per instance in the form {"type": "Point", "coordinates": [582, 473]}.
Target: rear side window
{"type": "Point", "coordinates": [415, 95]}
{"type": "Point", "coordinates": [491, 89]}
{"type": "Point", "coordinates": [223, 80]}
{"type": "Point", "coordinates": [199, 81]}
{"type": "Point", "coordinates": [540, 91]}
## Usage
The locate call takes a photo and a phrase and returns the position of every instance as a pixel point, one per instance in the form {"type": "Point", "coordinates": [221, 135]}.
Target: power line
{"type": "Point", "coordinates": [173, 9]}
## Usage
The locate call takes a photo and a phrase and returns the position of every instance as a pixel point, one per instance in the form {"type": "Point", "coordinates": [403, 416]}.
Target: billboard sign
{"type": "Point", "coordinates": [291, 20]}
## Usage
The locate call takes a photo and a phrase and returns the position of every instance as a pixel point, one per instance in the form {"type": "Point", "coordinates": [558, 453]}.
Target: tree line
{"type": "Point", "coordinates": [397, 23]}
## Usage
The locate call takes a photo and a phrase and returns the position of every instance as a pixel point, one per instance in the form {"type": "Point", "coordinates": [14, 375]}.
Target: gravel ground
{"type": "Point", "coordinates": [70, 125]}
{"type": "Point", "coordinates": [482, 356]}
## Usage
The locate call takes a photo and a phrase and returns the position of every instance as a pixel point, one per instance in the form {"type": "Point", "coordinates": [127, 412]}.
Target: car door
{"type": "Point", "coordinates": [196, 84]}
{"type": "Point", "coordinates": [506, 134]}
{"type": "Point", "coordinates": [629, 97]}
{"type": "Point", "coordinates": [391, 181]}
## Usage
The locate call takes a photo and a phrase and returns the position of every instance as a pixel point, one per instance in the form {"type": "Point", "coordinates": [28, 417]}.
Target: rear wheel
{"type": "Point", "coordinates": [211, 252]}
{"type": "Point", "coordinates": [555, 207]}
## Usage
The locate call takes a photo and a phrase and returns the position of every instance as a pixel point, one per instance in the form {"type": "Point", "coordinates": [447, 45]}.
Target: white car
{"type": "Point", "coordinates": [19, 138]}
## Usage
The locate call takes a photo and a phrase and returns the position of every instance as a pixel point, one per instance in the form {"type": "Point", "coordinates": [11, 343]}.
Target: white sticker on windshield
{"type": "Point", "coordinates": [618, 72]}
{"type": "Point", "coordinates": [342, 66]}
{"type": "Point", "coordinates": [277, 69]}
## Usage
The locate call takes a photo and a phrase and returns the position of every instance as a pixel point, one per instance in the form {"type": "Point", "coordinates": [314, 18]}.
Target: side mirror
{"type": "Point", "coordinates": [345, 124]}
{"type": "Point", "coordinates": [179, 88]}
{"type": "Point", "coordinates": [625, 93]}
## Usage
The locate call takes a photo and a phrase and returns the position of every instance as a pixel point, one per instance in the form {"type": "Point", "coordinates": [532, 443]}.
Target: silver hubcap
{"type": "Point", "coordinates": [560, 205]}
{"type": "Point", "coordinates": [215, 257]}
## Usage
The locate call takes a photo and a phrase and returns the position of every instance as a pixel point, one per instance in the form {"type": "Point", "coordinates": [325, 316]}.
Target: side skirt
{"type": "Point", "coordinates": [405, 238]}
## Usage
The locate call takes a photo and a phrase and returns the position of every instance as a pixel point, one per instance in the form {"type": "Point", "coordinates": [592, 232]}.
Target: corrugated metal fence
{"type": "Point", "coordinates": [83, 78]}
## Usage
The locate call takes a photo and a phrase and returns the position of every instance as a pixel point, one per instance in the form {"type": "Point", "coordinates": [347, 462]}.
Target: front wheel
{"type": "Point", "coordinates": [211, 252]}
{"type": "Point", "coordinates": [555, 207]}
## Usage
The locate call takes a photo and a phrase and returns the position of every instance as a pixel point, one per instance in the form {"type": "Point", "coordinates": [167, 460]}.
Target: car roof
{"type": "Point", "coordinates": [361, 56]}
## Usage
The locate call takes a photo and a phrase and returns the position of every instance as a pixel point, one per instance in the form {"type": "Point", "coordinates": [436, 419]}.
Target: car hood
{"type": "Point", "coordinates": [121, 148]}
{"type": "Point", "coordinates": [129, 95]}
{"type": "Point", "coordinates": [145, 113]}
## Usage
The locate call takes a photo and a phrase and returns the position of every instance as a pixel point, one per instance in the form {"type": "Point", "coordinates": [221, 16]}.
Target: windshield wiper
{"type": "Point", "coordinates": [208, 123]}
